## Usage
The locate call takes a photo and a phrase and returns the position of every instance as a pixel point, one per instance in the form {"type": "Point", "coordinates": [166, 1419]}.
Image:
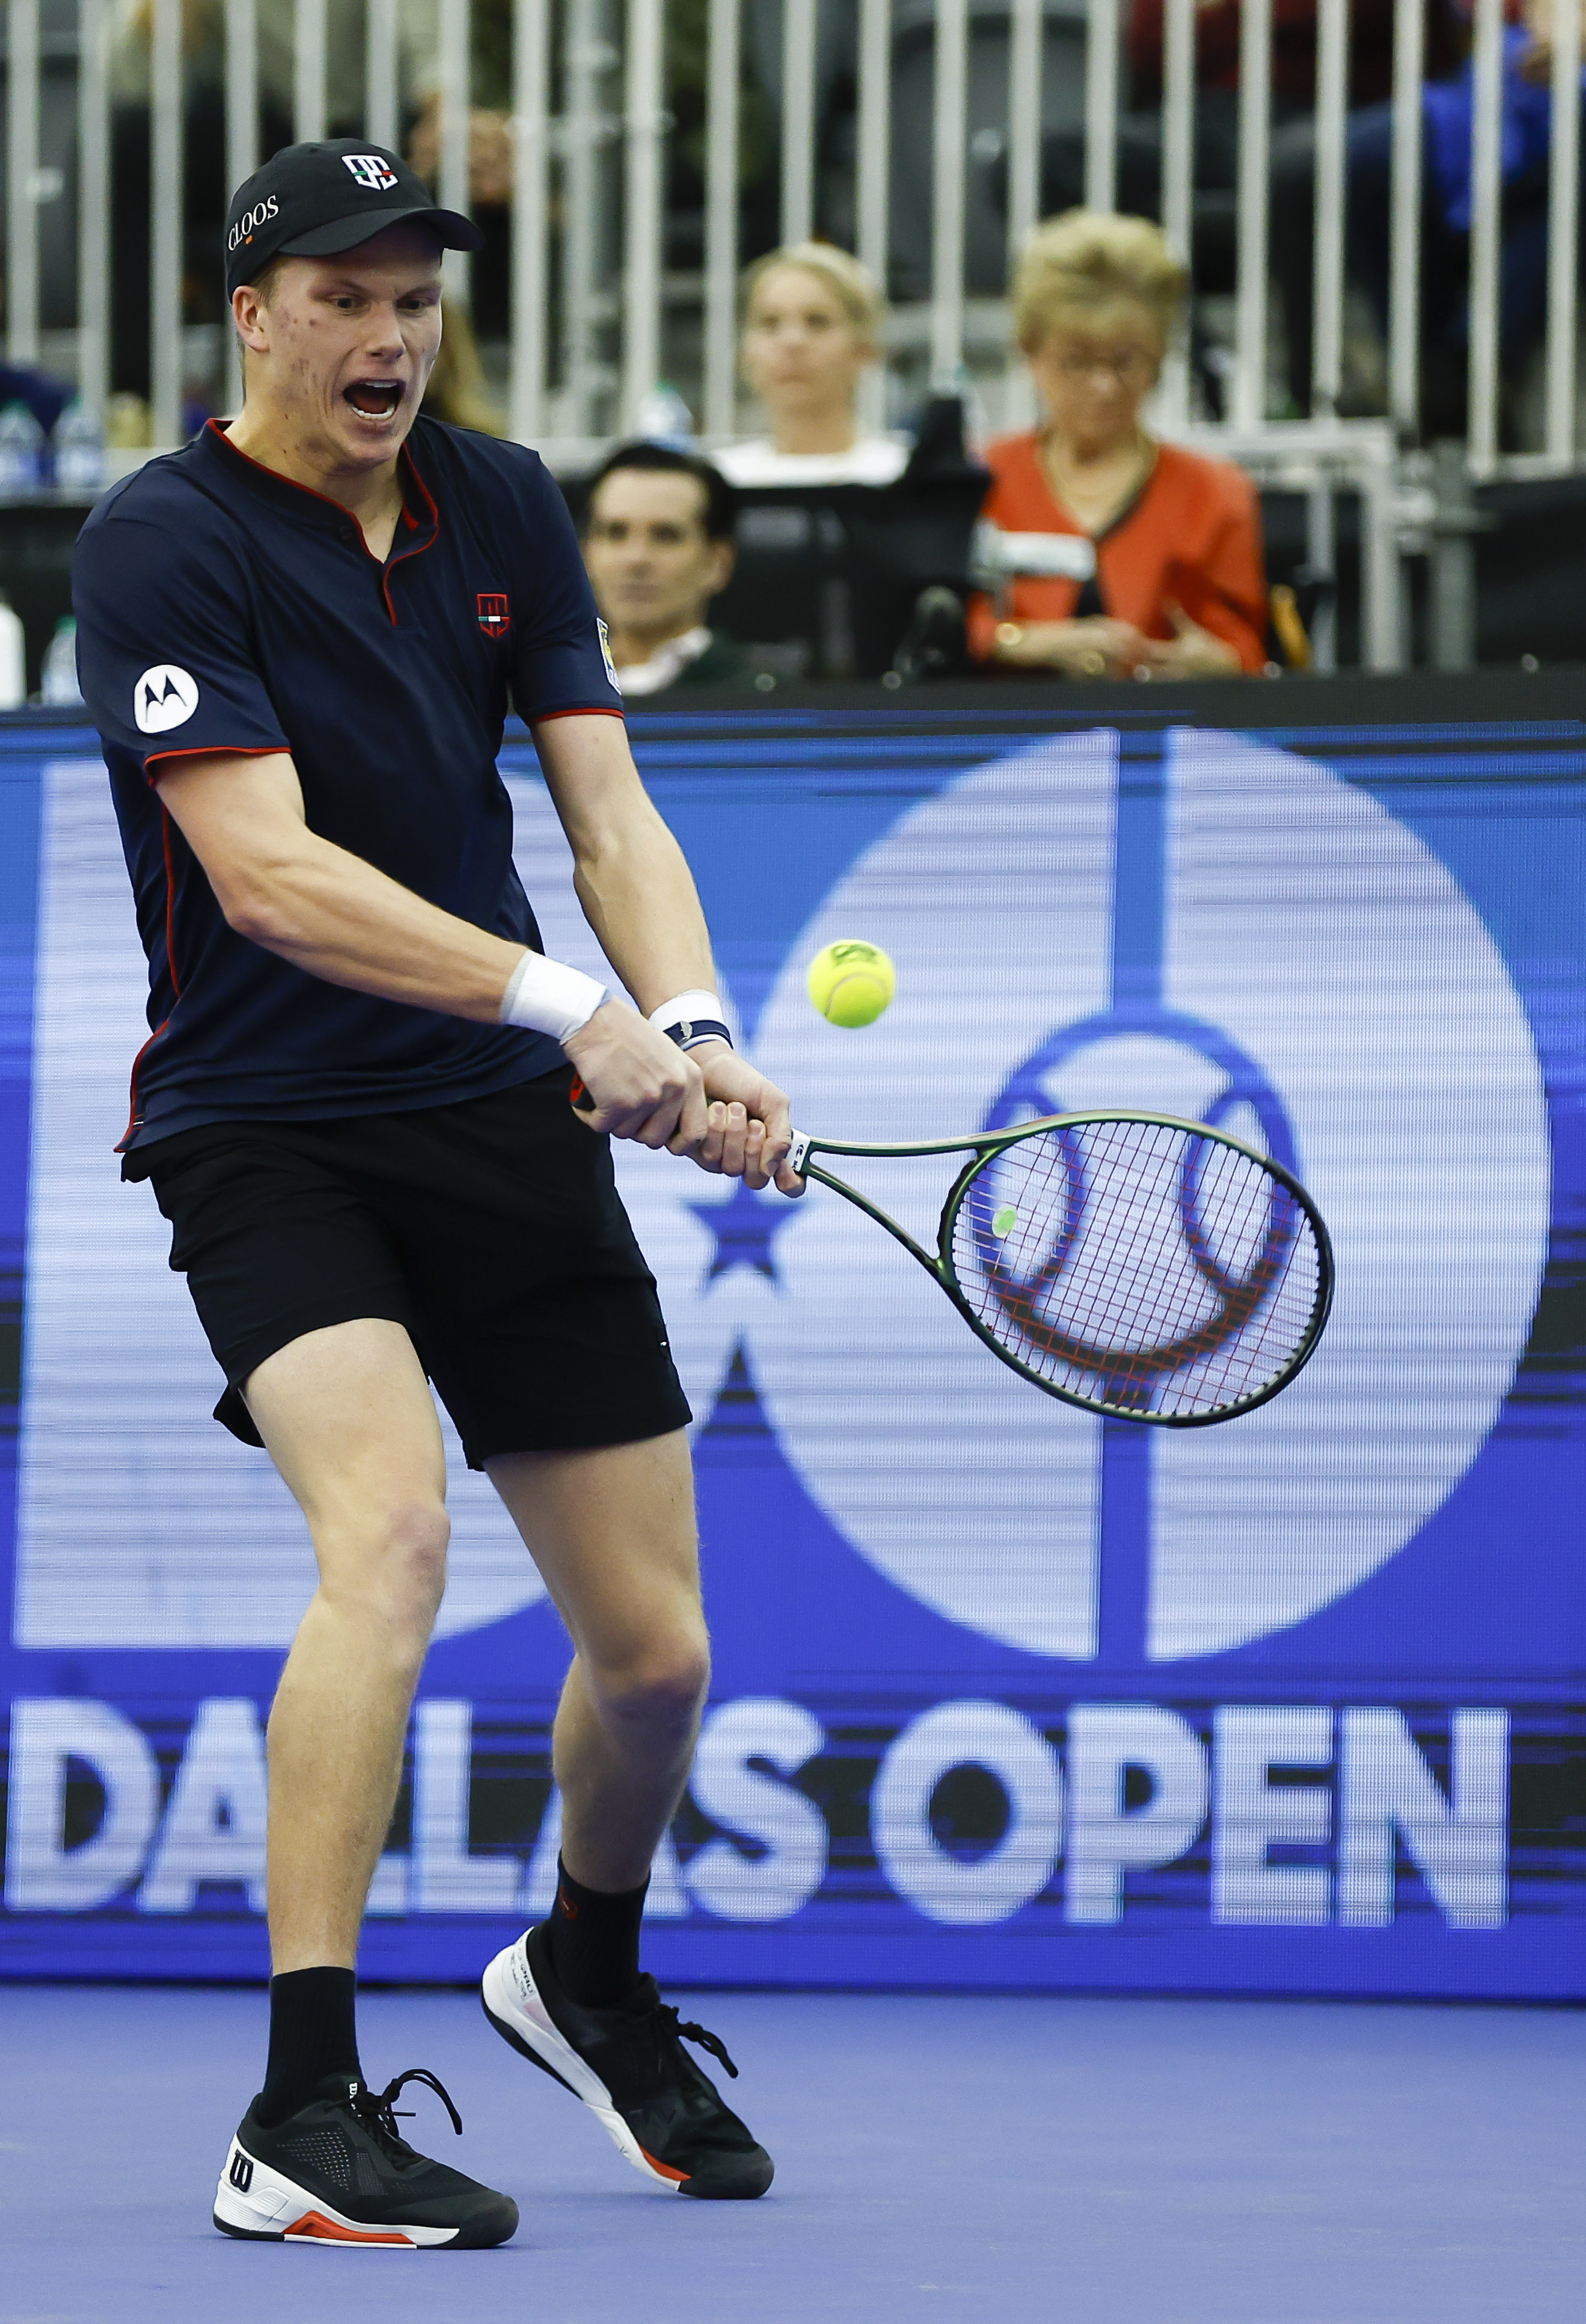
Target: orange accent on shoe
{"type": "Point", "coordinates": [314, 2228]}
{"type": "Point", "coordinates": [665, 2169]}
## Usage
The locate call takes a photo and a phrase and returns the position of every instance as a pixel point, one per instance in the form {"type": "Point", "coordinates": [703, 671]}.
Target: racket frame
{"type": "Point", "coordinates": [983, 1146]}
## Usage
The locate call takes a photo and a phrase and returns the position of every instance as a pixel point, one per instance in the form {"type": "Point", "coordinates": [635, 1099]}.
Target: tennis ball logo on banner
{"type": "Point", "coordinates": [1244, 940]}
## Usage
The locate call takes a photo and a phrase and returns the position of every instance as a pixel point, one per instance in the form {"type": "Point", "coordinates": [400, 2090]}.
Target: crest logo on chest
{"type": "Point", "coordinates": [495, 615]}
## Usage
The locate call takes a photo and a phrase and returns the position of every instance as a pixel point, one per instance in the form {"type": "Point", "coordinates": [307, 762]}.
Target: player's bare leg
{"type": "Point", "coordinates": [348, 1416]}
{"type": "Point", "coordinates": [612, 1532]}
{"type": "Point", "coordinates": [348, 1419]}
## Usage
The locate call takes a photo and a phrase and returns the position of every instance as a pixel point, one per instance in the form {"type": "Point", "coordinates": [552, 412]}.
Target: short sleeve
{"type": "Point", "coordinates": [560, 663]}
{"type": "Point", "coordinates": [163, 653]}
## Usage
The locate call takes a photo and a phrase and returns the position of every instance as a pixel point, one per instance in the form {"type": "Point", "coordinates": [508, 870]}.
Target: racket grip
{"type": "Point", "coordinates": [578, 1097]}
{"type": "Point", "coordinates": [798, 1152]}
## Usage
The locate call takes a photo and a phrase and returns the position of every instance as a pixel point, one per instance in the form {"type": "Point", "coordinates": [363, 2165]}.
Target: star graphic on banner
{"type": "Point", "coordinates": [743, 1227]}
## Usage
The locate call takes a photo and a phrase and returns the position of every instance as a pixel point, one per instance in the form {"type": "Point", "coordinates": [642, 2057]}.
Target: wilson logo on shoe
{"type": "Point", "coordinates": [241, 2174]}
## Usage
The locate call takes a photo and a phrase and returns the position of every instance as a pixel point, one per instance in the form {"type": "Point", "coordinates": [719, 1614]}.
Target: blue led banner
{"type": "Point", "coordinates": [1005, 1695]}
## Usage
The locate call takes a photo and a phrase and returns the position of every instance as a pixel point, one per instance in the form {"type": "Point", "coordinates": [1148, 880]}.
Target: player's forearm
{"type": "Point", "coordinates": [637, 891]}
{"type": "Point", "coordinates": [335, 916]}
{"type": "Point", "coordinates": [639, 896]}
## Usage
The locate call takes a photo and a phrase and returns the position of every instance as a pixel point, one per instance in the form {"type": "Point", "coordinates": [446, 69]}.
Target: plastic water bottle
{"type": "Point", "coordinates": [21, 450]}
{"type": "Point", "coordinates": [664, 418]}
{"type": "Point", "coordinates": [79, 450]}
{"type": "Point", "coordinates": [59, 688]}
{"type": "Point", "coordinates": [13, 657]}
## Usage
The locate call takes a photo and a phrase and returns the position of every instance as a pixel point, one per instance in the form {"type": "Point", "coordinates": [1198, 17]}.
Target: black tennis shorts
{"type": "Point", "coordinates": [491, 1230]}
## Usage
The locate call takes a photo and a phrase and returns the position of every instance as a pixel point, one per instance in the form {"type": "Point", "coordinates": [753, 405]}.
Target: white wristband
{"type": "Point", "coordinates": [690, 1018]}
{"type": "Point", "coordinates": [547, 996]}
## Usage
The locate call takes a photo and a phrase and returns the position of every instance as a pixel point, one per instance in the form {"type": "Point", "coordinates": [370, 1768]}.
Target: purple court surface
{"type": "Point", "coordinates": [967, 2160]}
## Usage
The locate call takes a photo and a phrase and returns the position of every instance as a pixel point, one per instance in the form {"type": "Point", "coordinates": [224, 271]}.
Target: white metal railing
{"type": "Point", "coordinates": [595, 311]}
{"type": "Point", "coordinates": [22, 165]}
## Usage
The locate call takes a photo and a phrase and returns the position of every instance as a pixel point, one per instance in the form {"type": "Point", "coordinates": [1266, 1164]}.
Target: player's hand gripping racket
{"type": "Point", "coordinates": [1132, 1264]}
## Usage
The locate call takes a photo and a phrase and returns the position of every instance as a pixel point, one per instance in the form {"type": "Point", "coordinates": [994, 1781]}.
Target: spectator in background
{"type": "Point", "coordinates": [1177, 588]}
{"type": "Point", "coordinates": [206, 186]}
{"type": "Point", "coordinates": [1216, 112]}
{"type": "Point", "coordinates": [1292, 153]}
{"type": "Point", "coordinates": [812, 328]}
{"type": "Point", "coordinates": [657, 542]}
{"type": "Point", "coordinates": [458, 391]}
{"type": "Point", "coordinates": [1526, 130]}
{"type": "Point", "coordinates": [45, 397]}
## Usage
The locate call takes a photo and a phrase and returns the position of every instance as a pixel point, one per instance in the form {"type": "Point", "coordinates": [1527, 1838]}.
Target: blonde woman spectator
{"type": "Point", "coordinates": [458, 391]}
{"type": "Point", "coordinates": [812, 327]}
{"type": "Point", "coordinates": [1166, 577]}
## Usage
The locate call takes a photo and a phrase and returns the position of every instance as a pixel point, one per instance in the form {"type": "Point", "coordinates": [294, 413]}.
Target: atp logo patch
{"type": "Point", "coordinates": [373, 172]}
{"type": "Point", "coordinates": [495, 615]}
{"type": "Point", "coordinates": [164, 697]}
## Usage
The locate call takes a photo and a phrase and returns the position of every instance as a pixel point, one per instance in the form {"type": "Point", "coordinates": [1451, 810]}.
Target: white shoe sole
{"type": "Point", "coordinates": [513, 2006]}
{"type": "Point", "coordinates": [258, 2203]}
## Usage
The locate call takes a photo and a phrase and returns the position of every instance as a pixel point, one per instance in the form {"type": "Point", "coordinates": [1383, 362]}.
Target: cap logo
{"type": "Point", "coordinates": [372, 170]}
{"type": "Point", "coordinates": [248, 224]}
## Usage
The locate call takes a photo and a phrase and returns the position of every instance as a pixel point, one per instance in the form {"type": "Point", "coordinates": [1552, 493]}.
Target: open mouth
{"type": "Point", "coordinates": [374, 399]}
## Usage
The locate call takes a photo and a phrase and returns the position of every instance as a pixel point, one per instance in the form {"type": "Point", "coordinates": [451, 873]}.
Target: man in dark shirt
{"type": "Point", "coordinates": [657, 541]}
{"type": "Point", "coordinates": [299, 637]}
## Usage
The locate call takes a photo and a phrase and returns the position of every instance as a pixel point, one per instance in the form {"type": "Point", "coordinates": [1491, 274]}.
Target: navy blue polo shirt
{"type": "Point", "coordinates": [220, 607]}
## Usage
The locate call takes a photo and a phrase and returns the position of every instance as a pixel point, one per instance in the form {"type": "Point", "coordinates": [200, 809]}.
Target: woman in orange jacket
{"type": "Point", "coordinates": [1165, 577]}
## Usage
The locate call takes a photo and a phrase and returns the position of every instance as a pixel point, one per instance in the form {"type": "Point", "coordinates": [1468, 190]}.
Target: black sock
{"type": "Point", "coordinates": [595, 1941]}
{"type": "Point", "coordinates": [311, 2034]}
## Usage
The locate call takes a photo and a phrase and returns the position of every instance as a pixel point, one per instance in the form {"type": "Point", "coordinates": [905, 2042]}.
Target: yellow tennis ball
{"type": "Point", "coordinates": [851, 982]}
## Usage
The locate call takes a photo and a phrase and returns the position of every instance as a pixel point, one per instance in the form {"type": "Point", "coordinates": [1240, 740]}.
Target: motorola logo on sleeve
{"type": "Point", "coordinates": [163, 697]}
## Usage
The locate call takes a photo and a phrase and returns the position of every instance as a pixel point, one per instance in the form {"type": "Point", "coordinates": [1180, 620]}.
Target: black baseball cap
{"type": "Point", "coordinates": [309, 201]}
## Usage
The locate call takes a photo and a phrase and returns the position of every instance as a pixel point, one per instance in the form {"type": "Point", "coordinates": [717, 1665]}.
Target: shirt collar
{"type": "Point", "coordinates": [416, 528]}
{"type": "Point", "coordinates": [665, 665]}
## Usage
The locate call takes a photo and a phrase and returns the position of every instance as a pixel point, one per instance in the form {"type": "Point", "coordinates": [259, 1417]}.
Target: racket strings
{"type": "Point", "coordinates": [1139, 1266]}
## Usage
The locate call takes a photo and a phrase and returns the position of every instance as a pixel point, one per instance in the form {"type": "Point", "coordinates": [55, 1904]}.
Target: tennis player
{"type": "Point", "coordinates": [299, 636]}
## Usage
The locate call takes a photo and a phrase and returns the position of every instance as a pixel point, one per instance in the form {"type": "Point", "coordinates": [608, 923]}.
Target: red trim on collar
{"type": "Point", "coordinates": [397, 556]}
{"type": "Point", "coordinates": [406, 454]}
{"type": "Point", "coordinates": [342, 511]}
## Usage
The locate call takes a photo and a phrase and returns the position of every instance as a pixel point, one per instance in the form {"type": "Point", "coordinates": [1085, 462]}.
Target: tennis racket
{"type": "Point", "coordinates": [1132, 1264]}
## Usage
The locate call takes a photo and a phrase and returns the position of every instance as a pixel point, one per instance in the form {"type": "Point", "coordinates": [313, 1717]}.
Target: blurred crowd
{"type": "Point", "coordinates": [1447, 34]}
{"type": "Point", "coordinates": [1105, 552]}
{"type": "Point", "coordinates": [1100, 551]}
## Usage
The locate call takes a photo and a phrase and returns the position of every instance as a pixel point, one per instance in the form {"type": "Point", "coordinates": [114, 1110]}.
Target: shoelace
{"type": "Point", "coordinates": [697, 2033]}
{"type": "Point", "coordinates": [379, 2115]}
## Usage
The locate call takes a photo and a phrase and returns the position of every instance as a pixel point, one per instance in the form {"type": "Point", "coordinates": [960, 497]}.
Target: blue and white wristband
{"type": "Point", "coordinates": [690, 1019]}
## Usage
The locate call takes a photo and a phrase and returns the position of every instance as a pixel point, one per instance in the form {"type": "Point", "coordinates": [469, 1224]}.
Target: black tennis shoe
{"type": "Point", "coordinates": [630, 2068]}
{"type": "Point", "coordinates": [340, 2172]}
